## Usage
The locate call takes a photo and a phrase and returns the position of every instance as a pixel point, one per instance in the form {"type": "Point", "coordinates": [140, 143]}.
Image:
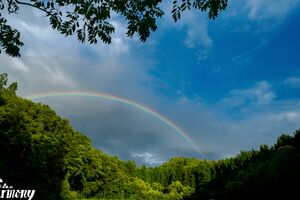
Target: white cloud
{"type": "Point", "coordinates": [265, 9]}
{"type": "Point", "coordinates": [293, 81]}
{"type": "Point", "coordinates": [35, 30]}
{"type": "Point", "coordinates": [263, 127]}
{"type": "Point", "coordinates": [194, 22]}
{"type": "Point", "coordinates": [197, 36]}
{"type": "Point", "coordinates": [197, 30]}
{"type": "Point", "coordinates": [18, 65]}
{"type": "Point", "coordinates": [286, 116]}
{"type": "Point", "coordinates": [147, 158]}
{"type": "Point", "coordinates": [50, 61]}
{"type": "Point", "coordinates": [202, 55]}
{"type": "Point", "coordinates": [119, 42]}
{"type": "Point", "coordinates": [260, 94]}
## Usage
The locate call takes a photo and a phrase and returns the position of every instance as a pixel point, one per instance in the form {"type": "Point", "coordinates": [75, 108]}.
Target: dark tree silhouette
{"type": "Point", "coordinates": [90, 19]}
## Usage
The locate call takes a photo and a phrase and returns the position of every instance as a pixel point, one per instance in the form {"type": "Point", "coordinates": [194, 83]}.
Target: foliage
{"type": "Point", "coordinates": [33, 143]}
{"type": "Point", "coordinates": [91, 20]}
{"type": "Point", "coordinates": [39, 150]}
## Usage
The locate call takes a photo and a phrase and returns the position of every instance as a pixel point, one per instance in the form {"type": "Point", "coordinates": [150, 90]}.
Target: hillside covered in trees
{"type": "Point", "coordinates": [40, 150]}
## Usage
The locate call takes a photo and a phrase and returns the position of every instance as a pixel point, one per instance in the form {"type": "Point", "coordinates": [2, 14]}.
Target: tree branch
{"type": "Point", "coordinates": [32, 5]}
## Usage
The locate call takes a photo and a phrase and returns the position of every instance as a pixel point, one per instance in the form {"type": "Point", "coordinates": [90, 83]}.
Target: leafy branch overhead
{"type": "Point", "coordinates": [91, 21]}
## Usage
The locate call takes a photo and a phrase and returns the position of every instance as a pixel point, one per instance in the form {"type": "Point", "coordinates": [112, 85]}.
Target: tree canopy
{"type": "Point", "coordinates": [90, 20]}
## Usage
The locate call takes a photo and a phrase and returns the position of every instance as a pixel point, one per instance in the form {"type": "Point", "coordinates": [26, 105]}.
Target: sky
{"type": "Point", "coordinates": [229, 84]}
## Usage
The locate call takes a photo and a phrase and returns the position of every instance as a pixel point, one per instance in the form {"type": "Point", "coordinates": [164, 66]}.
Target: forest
{"type": "Point", "coordinates": [40, 150]}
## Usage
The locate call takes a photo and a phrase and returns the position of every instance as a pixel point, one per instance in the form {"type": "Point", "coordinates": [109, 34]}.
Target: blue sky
{"type": "Point", "coordinates": [241, 52]}
{"type": "Point", "coordinates": [231, 84]}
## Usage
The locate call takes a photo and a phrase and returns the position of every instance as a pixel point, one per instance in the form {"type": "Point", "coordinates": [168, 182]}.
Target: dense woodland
{"type": "Point", "coordinates": [40, 150]}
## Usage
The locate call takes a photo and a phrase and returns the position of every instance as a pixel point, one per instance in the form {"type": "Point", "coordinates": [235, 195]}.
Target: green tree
{"type": "Point", "coordinates": [33, 143]}
{"type": "Point", "coordinates": [3, 82]}
{"type": "Point", "coordinates": [91, 19]}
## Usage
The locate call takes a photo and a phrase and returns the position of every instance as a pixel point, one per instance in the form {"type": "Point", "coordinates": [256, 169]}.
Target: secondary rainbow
{"type": "Point", "coordinates": [122, 101]}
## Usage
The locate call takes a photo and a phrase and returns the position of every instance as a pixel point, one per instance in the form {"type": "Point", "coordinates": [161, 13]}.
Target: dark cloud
{"type": "Point", "coordinates": [120, 129]}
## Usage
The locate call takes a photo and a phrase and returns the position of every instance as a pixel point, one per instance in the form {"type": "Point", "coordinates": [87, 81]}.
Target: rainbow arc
{"type": "Point", "coordinates": [120, 100]}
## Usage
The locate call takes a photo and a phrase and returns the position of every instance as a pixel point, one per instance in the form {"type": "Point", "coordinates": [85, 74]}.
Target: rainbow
{"type": "Point", "coordinates": [121, 100]}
